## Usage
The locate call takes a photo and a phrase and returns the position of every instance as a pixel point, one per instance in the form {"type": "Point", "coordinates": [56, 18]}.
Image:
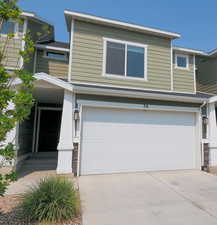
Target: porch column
{"type": "Point", "coordinates": [212, 135]}
{"type": "Point", "coordinates": [65, 146]}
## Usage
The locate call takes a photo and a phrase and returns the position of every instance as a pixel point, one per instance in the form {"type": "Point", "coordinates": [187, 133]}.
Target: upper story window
{"type": "Point", "coordinates": [8, 27]}
{"type": "Point", "coordinates": [182, 61]}
{"type": "Point", "coordinates": [56, 55]}
{"type": "Point", "coordinates": [124, 59]}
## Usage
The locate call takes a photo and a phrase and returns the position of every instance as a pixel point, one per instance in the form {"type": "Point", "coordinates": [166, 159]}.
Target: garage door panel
{"type": "Point", "coordinates": [115, 140]}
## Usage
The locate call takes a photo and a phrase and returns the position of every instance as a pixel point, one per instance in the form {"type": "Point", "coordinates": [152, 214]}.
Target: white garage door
{"type": "Point", "coordinates": [116, 140]}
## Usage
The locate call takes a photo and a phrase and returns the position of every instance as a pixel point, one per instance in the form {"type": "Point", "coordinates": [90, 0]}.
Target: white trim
{"type": "Point", "coordinates": [149, 107]}
{"type": "Point", "coordinates": [65, 58]}
{"type": "Point", "coordinates": [10, 68]}
{"type": "Point", "coordinates": [188, 50]}
{"type": "Point", "coordinates": [71, 49]}
{"type": "Point", "coordinates": [23, 41]}
{"type": "Point", "coordinates": [125, 25]}
{"type": "Point", "coordinates": [125, 43]}
{"type": "Point", "coordinates": [53, 80]}
{"type": "Point", "coordinates": [213, 52]}
{"type": "Point", "coordinates": [187, 61]}
{"type": "Point", "coordinates": [194, 68]}
{"type": "Point", "coordinates": [52, 48]}
{"type": "Point", "coordinates": [213, 99]}
{"type": "Point", "coordinates": [137, 44]}
{"type": "Point", "coordinates": [171, 66]}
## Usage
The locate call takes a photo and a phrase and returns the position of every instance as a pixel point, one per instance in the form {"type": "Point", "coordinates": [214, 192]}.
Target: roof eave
{"type": "Point", "coordinates": [119, 24]}
{"type": "Point", "coordinates": [123, 93]}
{"type": "Point", "coordinates": [33, 16]}
{"type": "Point", "coordinates": [191, 51]}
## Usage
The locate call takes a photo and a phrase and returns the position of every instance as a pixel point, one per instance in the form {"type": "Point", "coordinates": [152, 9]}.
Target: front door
{"type": "Point", "coordinates": [49, 130]}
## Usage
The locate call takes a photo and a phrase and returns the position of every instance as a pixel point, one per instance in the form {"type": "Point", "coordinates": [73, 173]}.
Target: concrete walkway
{"type": "Point", "coordinates": [159, 198]}
{"type": "Point", "coordinates": [27, 180]}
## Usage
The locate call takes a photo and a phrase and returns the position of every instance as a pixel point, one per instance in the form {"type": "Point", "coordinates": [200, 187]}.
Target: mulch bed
{"type": "Point", "coordinates": [11, 214]}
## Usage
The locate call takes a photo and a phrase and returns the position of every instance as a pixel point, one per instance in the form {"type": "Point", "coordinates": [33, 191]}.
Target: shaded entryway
{"type": "Point", "coordinates": [48, 129]}
{"type": "Point", "coordinates": [39, 134]}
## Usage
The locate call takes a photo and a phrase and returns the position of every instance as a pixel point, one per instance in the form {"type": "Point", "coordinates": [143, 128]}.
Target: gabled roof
{"type": "Point", "coordinates": [119, 24]}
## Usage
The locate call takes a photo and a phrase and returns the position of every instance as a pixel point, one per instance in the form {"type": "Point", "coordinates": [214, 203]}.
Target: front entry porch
{"type": "Point", "coordinates": [44, 140]}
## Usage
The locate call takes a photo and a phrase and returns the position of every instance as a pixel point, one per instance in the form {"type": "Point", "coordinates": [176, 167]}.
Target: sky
{"type": "Point", "coordinates": [195, 20]}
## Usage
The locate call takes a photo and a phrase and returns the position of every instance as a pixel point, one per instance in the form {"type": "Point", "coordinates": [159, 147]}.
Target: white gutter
{"type": "Point", "coordinates": [192, 51]}
{"type": "Point", "coordinates": [52, 48]}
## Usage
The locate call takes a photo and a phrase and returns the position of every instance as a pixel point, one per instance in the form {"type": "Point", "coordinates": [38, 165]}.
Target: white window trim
{"type": "Point", "coordinates": [53, 58]}
{"type": "Point", "coordinates": [16, 29]}
{"type": "Point", "coordinates": [116, 76]}
{"type": "Point", "coordinates": [187, 62]}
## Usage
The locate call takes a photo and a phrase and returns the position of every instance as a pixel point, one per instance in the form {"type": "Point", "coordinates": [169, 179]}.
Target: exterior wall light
{"type": "Point", "coordinates": [205, 120]}
{"type": "Point", "coordinates": [76, 114]}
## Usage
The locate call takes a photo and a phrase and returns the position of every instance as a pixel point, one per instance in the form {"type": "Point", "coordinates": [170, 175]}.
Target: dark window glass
{"type": "Point", "coordinates": [115, 58]}
{"type": "Point", "coordinates": [7, 27]}
{"type": "Point", "coordinates": [56, 55]}
{"type": "Point", "coordinates": [135, 61]}
{"type": "Point", "coordinates": [181, 61]}
{"type": "Point", "coordinates": [20, 27]}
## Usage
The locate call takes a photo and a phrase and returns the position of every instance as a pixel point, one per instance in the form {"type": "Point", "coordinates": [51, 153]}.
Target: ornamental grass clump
{"type": "Point", "coordinates": [54, 199]}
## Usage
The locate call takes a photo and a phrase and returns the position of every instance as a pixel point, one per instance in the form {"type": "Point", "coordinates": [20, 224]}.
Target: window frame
{"type": "Point", "coordinates": [53, 58]}
{"type": "Point", "coordinates": [16, 30]}
{"type": "Point", "coordinates": [187, 61]}
{"type": "Point", "coordinates": [117, 76]}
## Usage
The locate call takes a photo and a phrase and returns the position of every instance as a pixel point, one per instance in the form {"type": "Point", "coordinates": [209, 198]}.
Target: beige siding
{"type": "Point", "coordinates": [207, 75]}
{"type": "Point", "coordinates": [87, 61]}
{"type": "Point", "coordinates": [53, 67]}
{"type": "Point", "coordinates": [183, 80]}
{"type": "Point", "coordinates": [11, 53]}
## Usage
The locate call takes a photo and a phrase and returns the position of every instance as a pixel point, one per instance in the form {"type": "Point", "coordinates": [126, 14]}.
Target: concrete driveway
{"type": "Point", "coordinates": [156, 198]}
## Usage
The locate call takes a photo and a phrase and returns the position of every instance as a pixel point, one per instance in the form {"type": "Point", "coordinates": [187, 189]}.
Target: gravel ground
{"type": "Point", "coordinates": [10, 213]}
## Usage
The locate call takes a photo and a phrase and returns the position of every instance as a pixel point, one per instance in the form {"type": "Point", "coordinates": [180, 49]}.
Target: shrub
{"type": "Point", "coordinates": [53, 199]}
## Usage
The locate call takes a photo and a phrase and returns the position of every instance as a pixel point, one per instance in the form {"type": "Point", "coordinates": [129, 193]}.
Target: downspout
{"type": "Point", "coordinates": [204, 167]}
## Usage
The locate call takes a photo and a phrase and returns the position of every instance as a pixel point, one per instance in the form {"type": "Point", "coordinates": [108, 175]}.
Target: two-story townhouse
{"type": "Point", "coordinates": [119, 98]}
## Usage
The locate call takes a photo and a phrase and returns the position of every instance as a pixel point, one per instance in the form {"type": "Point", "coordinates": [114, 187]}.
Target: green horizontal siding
{"type": "Point", "coordinates": [183, 80]}
{"type": "Point", "coordinates": [87, 61]}
{"type": "Point", "coordinates": [207, 75]}
{"type": "Point", "coordinates": [53, 67]}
